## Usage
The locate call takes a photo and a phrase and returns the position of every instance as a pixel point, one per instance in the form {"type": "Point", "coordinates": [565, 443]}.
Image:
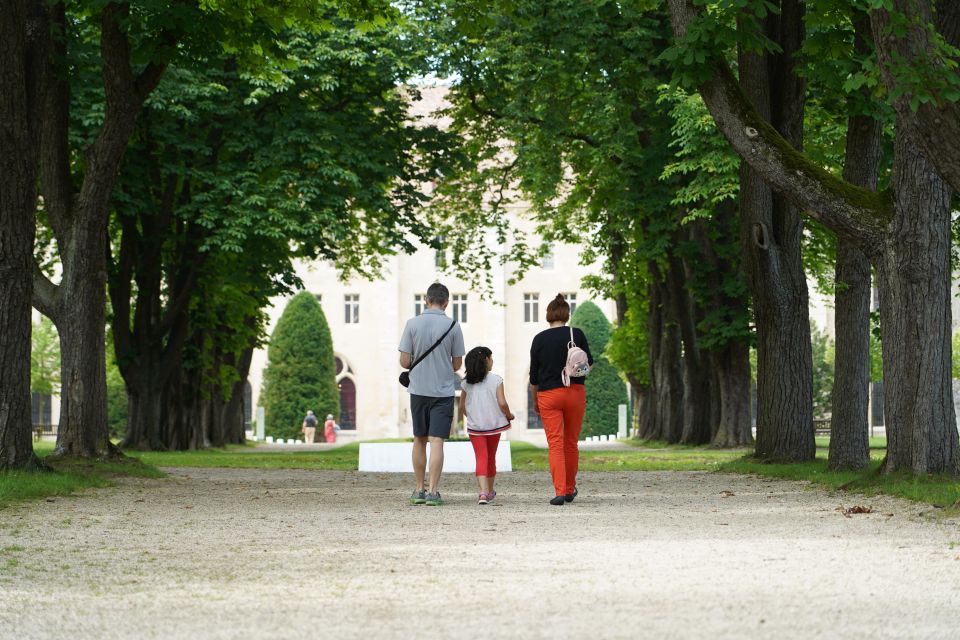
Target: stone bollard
{"type": "Point", "coordinates": [269, 439]}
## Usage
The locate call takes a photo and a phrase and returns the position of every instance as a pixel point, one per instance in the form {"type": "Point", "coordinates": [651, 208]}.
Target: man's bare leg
{"type": "Point", "coordinates": [420, 460]}
{"type": "Point", "coordinates": [436, 463]}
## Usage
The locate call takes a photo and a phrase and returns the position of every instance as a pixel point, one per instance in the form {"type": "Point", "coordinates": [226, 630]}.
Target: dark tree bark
{"type": "Point", "coordinates": [79, 220]}
{"type": "Point", "coordinates": [697, 372]}
{"type": "Point", "coordinates": [666, 365]}
{"type": "Point", "coordinates": [23, 34]}
{"type": "Point", "coordinates": [913, 271]}
{"type": "Point", "coordinates": [150, 353]}
{"type": "Point", "coordinates": [731, 412]}
{"type": "Point", "coordinates": [849, 428]}
{"type": "Point", "coordinates": [934, 124]}
{"type": "Point", "coordinates": [906, 236]}
{"type": "Point", "coordinates": [771, 230]}
{"type": "Point", "coordinates": [733, 379]}
{"type": "Point", "coordinates": [642, 418]}
{"type": "Point", "coordinates": [652, 427]}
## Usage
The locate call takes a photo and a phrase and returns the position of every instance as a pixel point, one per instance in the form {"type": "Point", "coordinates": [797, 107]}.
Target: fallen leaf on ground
{"type": "Point", "coordinates": [854, 510]}
{"type": "Point", "coordinates": [727, 494]}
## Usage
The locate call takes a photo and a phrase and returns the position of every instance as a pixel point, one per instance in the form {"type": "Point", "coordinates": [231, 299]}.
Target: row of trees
{"type": "Point", "coordinates": [182, 155]}
{"type": "Point", "coordinates": [714, 154]}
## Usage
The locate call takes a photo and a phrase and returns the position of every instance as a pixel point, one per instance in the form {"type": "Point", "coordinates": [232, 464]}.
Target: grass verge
{"type": "Point", "coordinates": [642, 456]}
{"type": "Point", "coordinates": [943, 492]}
{"type": "Point", "coordinates": [66, 476]}
{"type": "Point", "coordinates": [241, 457]}
{"type": "Point", "coordinates": [527, 457]}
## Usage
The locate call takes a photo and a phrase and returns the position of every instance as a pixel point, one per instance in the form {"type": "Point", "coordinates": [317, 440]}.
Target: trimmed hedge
{"type": "Point", "coordinates": [301, 370]}
{"type": "Point", "coordinates": [606, 390]}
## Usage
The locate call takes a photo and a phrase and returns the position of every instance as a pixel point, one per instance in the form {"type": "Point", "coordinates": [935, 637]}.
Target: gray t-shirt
{"type": "Point", "coordinates": [434, 377]}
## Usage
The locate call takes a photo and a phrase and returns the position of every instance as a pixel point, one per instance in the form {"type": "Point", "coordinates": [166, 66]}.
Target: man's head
{"type": "Point", "coordinates": [309, 413]}
{"type": "Point", "coordinates": [438, 296]}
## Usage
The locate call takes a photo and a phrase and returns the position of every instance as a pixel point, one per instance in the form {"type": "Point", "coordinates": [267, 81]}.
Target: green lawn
{"type": "Point", "coordinates": [640, 456]}
{"type": "Point", "coordinates": [241, 457]}
{"type": "Point", "coordinates": [67, 476]}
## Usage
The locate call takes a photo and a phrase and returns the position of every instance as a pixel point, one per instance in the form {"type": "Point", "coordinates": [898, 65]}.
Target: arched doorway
{"type": "Point", "coordinates": [348, 394]}
{"type": "Point", "coordinates": [348, 403]}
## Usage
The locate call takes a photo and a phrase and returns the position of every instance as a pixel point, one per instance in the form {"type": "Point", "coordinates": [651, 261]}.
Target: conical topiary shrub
{"type": "Point", "coordinates": [605, 388]}
{"type": "Point", "coordinates": [301, 371]}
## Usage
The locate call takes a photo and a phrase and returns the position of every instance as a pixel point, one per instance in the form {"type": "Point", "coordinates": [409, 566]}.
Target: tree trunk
{"type": "Point", "coordinates": [80, 223]}
{"type": "Point", "coordinates": [81, 320]}
{"type": "Point", "coordinates": [914, 275]}
{"type": "Point", "coordinates": [696, 372]}
{"type": "Point", "coordinates": [148, 403]}
{"type": "Point", "coordinates": [733, 373]}
{"type": "Point", "coordinates": [771, 231]}
{"type": "Point", "coordinates": [640, 395]}
{"type": "Point", "coordinates": [18, 199]}
{"type": "Point", "coordinates": [666, 378]}
{"type": "Point", "coordinates": [849, 428]}
{"type": "Point", "coordinates": [651, 428]}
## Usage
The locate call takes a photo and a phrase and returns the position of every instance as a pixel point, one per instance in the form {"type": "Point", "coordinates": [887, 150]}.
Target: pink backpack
{"type": "Point", "coordinates": [578, 364]}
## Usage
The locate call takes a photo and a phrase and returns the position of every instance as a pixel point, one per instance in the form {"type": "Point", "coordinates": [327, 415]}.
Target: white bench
{"type": "Point", "coordinates": [395, 457]}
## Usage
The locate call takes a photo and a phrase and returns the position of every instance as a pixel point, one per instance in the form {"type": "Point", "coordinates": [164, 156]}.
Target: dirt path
{"type": "Point", "coordinates": [219, 553]}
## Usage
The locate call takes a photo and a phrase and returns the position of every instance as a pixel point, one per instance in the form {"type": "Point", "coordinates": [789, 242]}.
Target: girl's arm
{"type": "Point", "coordinates": [502, 401]}
{"type": "Point", "coordinates": [463, 403]}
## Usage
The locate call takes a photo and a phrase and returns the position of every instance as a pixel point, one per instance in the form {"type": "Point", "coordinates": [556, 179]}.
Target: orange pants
{"type": "Point", "coordinates": [562, 413]}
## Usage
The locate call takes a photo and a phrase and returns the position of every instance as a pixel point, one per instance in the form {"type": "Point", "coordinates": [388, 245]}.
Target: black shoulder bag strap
{"type": "Point", "coordinates": [435, 345]}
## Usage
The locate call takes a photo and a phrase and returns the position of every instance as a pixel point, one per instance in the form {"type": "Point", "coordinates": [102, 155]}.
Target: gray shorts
{"type": "Point", "coordinates": [431, 416]}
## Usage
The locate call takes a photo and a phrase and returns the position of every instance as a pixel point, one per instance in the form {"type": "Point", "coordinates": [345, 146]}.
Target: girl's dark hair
{"type": "Point", "coordinates": [558, 309]}
{"type": "Point", "coordinates": [477, 364]}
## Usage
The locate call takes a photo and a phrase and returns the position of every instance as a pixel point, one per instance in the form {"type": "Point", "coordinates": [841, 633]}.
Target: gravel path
{"type": "Point", "coordinates": [221, 553]}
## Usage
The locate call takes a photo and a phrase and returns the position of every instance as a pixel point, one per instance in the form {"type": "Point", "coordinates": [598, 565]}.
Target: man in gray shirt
{"type": "Point", "coordinates": [432, 386]}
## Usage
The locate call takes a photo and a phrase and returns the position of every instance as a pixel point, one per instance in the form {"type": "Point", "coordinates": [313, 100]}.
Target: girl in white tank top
{"type": "Point", "coordinates": [488, 415]}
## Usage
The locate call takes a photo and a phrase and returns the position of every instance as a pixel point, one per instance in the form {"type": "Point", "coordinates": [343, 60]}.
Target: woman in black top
{"type": "Point", "coordinates": [560, 407]}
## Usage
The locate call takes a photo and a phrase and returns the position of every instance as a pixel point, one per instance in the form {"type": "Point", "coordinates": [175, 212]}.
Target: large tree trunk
{"type": "Point", "coordinates": [640, 396]}
{"type": "Point", "coordinates": [914, 275]}
{"type": "Point", "coordinates": [849, 428]}
{"type": "Point", "coordinates": [18, 199]}
{"type": "Point", "coordinates": [81, 320]}
{"type": "Point", "coordinates": [697, 374]}
{"type": "Point", "coordinates": [733, 376]}
{"type": "Point", "coordinates": [666, 377]}
{"type": "Point", "coordinates": [80, 220]}
{"type": "Point", "coordinates": [147, 402]}
{"type": "Point", "coordinates": [730, 400]}
{"type": "Point", "coordinates": [771, 231]}
{"type": "Point", "coordinates": [664, 413]}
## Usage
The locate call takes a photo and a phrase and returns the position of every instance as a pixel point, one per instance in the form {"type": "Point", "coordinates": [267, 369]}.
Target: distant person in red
{"type": "Point", "coordinates": [330, 429]}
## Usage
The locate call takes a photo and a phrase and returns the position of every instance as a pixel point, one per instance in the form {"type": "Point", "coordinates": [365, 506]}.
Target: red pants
{"type": "Point", "coordinates": [485, 448]}
{"type": "Point", "coordinates": [562, 413]}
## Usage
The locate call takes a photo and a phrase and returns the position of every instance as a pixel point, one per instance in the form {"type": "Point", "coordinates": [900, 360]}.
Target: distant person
{"type": "Point", "coordinates": [330, 429]}
{"type": "Point", "coordinates": [309, 427]}
{"type": "Point", "coordinates": [431, 349]}
{"type": "Point", "coordinates": [488, 415]}
{"type": "Point", "coordinates": [561, 398]}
